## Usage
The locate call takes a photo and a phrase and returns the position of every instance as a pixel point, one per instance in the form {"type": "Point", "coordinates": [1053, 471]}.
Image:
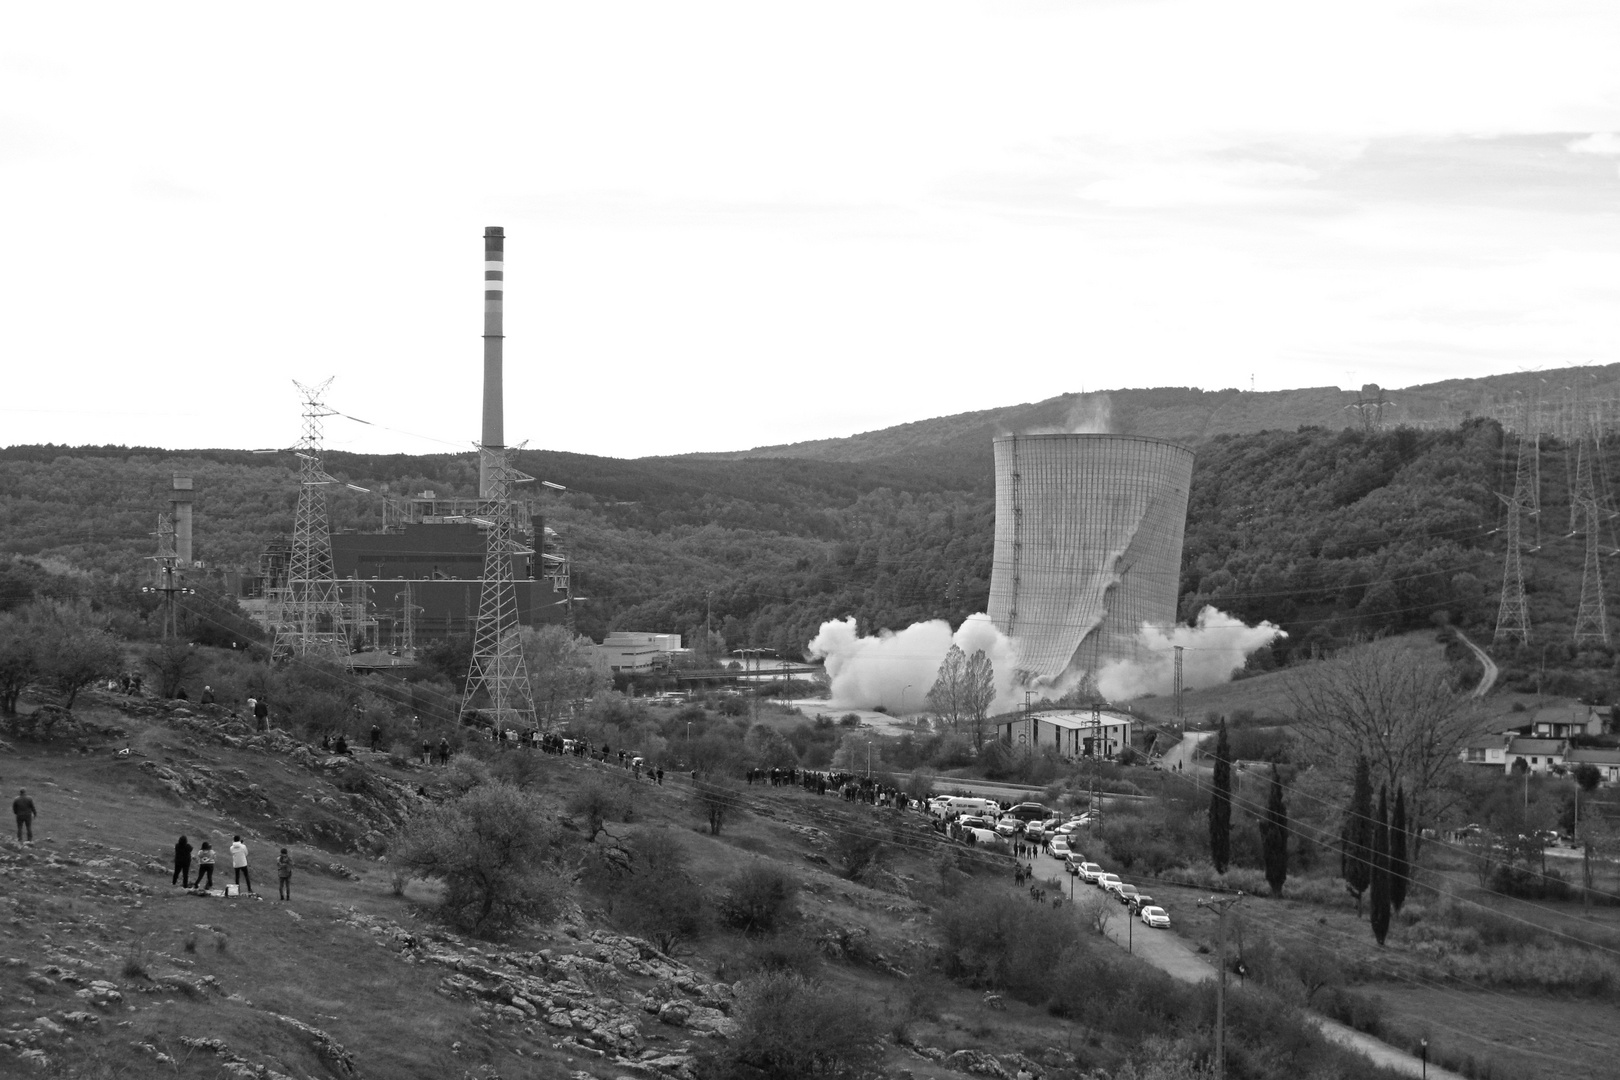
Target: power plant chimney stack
{"type": "Point", "coordinates": [494, 435]}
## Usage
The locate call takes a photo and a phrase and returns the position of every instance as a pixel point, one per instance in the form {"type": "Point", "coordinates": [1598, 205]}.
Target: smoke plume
{"type": "Point", "coordinates": [1214, 649]}
{"type": "Point", "coordinates": [1093, 414]}
{"type": "Point", "coordinates": [866, 672]}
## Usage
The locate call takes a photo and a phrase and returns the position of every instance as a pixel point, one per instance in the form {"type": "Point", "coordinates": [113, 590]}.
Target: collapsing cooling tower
{"type": "Point", "coordinates": [1088, 547]}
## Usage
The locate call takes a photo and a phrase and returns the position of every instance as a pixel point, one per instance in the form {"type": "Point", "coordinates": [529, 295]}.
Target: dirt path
{"type": "Point", "coordinates": [1175, 957]}
{"type": "Point", "coordinates": [1487, 680]}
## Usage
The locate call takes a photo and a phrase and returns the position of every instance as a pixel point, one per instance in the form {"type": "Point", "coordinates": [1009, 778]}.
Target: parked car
{"type": "Point", "coordinates": [1030, 811]}
{"type": "Point", "coordinates": [1072, 861]}
{"type": "Point", "coordinates": [1059, 846]}
{"type": "Point", "coordinates": [1127, 893]}
{"type": "Point", "coordinates": [1156, 917]}
{"type": "Point", "coordinates": [1089, 872]}
{"type": "Point", "coordinates": [1140, 901]}
{"type": "Point", "coordinates": [1009, 826]}
{"type": "Point", "coordinates": [1108, 882]}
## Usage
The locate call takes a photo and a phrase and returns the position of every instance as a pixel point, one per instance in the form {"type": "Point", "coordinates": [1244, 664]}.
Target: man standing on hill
{"type": "Point", "coordinates": [23, 807]}
{"type": "Point", "coordinates": [444, 750]}
{"type": "Point", "coordinates": [182, 864]}
{"type": "Point", "coordinates": [261, 715]}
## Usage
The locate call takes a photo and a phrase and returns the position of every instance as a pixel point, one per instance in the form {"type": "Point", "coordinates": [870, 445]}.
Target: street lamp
{"type": "Point", "coordinates": [1423, 1045]}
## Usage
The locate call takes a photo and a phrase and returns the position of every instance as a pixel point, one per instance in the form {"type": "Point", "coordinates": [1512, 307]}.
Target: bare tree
{"type": "Point", "coordinates": [560, 668]}
{"type": "Point", "coordinates": [948, 694]}
{"type": "Point", "coordinates": [1393, 705]}
{"type": "Point", "coordinates": [978, 691]}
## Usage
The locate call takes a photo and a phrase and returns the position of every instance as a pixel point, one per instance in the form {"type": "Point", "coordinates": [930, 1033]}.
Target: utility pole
{"type": "Point", "coordinates": [1181, 719]}
{"type": "Point", "coordinates": [1096, 763]}
{"type": "Point", "coordinates": [1513, 614]}
{"type": "Point", "coordinates": [1221, 905]}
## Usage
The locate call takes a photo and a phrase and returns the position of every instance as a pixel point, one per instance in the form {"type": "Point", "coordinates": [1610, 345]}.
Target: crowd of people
{"type": "Point", "coordinates": [185, 856]}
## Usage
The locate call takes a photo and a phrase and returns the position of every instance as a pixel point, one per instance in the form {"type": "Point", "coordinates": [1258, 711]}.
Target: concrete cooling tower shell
{"type": "Point", "coordinates": [1088, 547]}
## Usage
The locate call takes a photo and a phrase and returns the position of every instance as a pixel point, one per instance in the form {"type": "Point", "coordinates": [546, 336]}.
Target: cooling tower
{"type": "Point", "coordinates": [1088, 547]}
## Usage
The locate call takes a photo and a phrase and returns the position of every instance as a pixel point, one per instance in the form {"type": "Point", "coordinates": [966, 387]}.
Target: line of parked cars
{"type": "Point", "coordinates": [1141, 905]}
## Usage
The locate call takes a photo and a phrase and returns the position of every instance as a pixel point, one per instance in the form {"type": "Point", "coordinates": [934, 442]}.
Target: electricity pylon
{"type": "Point", "coordinates": [1513, 616]}
{"type": "Point", "coordinates": [497, 669]}
{"type": "Point", "coordinates": [1591, 618]}
{"type": "Point", "coordinates": [311, 620]}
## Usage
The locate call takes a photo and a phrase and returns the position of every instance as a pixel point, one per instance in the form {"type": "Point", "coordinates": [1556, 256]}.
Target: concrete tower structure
{"type": "Point", "coordinates": [1089, 531]}
{"type": "Point", "coordinates": [180, 510]}
{"type": "Point", "coordinates": [494, 429]}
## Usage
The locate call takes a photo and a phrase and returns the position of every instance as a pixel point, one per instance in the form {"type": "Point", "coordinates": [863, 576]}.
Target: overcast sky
{"type": "Point", "coordinates": [733, 225]}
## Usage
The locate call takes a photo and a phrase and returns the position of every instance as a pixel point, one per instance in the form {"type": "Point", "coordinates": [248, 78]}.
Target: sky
{"type": "Point", "coordinates": [732, 225]}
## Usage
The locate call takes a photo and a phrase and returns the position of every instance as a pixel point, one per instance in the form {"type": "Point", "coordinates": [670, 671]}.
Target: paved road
{"type": "Point", "coordinates": [1489, 678]}
{"type": "Point", "coordinates": [1185, 752]}
{"type": "Point", "coordinates": [1172, 955]}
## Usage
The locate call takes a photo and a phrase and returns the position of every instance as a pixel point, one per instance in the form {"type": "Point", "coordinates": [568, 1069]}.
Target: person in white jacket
{"type": "Point", "coordinates": [239, 863]}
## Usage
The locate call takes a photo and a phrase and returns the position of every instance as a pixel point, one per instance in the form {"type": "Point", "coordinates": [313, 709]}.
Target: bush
{"type": "Point", "coordinates": [759, 899]}
{"type": "Point", "coordinates": [598, 801]}
{"type": "Point", "coordinates": [792, 1027]}
{"type": "Point", "coordinates": [655, 897]}
{"type": "Point", "coordinates": [988, 940]}
{"type": "Point", "coordinates": [783, 952]}
{"type": "Point", "coordinates": [496, 853]}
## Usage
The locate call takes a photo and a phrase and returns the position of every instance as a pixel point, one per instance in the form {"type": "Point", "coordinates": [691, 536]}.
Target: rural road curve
{"type": "Point", "coordinates": [1185, 752]}
{"type": "Point", "coordinates": [1175, 957]}
{"type": "Point", "coordinates": [1488, 680]}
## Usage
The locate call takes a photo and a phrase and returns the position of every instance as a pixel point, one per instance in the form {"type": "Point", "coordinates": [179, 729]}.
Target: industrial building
{"type": "Point", "coordinates": [438, 565]}
{"type": "Point", "coordinates": [1069, 734]}
{"type": "Point", "coordinates": [629, 652]}
{"type": "Point", "coordinates": [1088, 542]}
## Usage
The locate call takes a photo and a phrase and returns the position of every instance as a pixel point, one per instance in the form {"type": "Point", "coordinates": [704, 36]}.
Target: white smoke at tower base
{"type": "Point", "coordinates": [897, 669]}
{"type": "Point", "coordinates": [1214, 649]}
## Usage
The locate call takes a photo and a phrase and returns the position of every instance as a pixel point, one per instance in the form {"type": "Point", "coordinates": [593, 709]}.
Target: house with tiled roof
{"type": "Point", "coordinates": [1604, 759]}
{"type": "Point", "coordinates": [1540, 756]}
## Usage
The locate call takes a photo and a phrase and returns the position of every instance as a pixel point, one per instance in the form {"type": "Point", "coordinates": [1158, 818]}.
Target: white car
{"type": "Point", "coordinates": [1034, 831]}
{"type": "Point", "coordinates": [1089, 872]}
{"type": "Point", "coordinates": [1156, 917]}
{"type": "Point", "coordinates": [1108, 882]}
{"type": "Point", "coordinates": [1059, 847]}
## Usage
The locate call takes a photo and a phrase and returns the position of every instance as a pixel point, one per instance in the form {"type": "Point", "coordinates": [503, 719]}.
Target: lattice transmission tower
{"type": "Point", "coordinates": [1591, 618]}
{"type": "Point", "coordinates": [497, 670]}
{"type": "Point", "coordinates": [310, 617]}
{"type": "Point", "coordinates": [1513, 616]}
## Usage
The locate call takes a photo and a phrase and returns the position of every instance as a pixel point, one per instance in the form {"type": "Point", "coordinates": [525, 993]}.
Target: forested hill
{"type": "Point", "coordinates": [1329, 532]}
{"type": "Point", "coordinates": [959, 446]}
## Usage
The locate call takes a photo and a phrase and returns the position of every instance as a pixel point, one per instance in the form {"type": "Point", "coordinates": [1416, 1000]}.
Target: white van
{"type": "Point", "coordinates": [958, 804]}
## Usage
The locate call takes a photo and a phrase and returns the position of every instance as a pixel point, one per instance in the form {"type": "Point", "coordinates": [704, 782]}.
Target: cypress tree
{"type": "Point", "coordinates": [1220, 804]}
{"type": "Point", "coordinates": [1274, 836]}
{"type": "Point", "coordinates": [1380, 868]}
{"type": "Point", "coordinates": [1400, 866]}
{"type": "Point", "coordinates": [1356, 856]}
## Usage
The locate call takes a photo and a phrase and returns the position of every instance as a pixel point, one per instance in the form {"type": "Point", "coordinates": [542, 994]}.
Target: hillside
{"type": "Point", "coordinates": [1327, 531]}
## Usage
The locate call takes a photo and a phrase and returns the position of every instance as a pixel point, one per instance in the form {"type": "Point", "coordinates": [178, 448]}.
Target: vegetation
{"type": "Point", "coordinates": [759, 899]}
{"type": "Point", "coordinates": [496, 854]}
{"type": "Point", "coordinates": [796, 1027]}
{"type": "Point", "coordinates": [1274, 836]}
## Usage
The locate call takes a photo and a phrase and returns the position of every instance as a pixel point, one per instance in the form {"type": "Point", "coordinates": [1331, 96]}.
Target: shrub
{"type": "Point", "coordinates": [598, 801]}
{"type": "Point", "coordinates": [759, 899]}
{"type": "Point", "coordinates": [494, 850]}
{"type": "Point", "coordinates": [792, 1027]}
{"type": "Point", "coordinates": [991, 941]}
{"type": "Point", "coordinates": [783, 952]}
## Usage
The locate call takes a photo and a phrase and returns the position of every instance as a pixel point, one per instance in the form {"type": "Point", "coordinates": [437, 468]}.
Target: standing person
{"type": "Point", "coordinates": [205, 865]}
{"type": "Point", "coordinates": [284, 874]}
{"type": "Point", "coordinates": [660, 776]}
{"type": "Point", "coordinates": [444, 750]}
{"type": "Point", "coordinates": [427, 752]}
{"type": "Point", "coordinates": [207, 696]}
{"type": "Point", "coordinates": [182, 863]}
{"type": "Point", "coordinates": [261, 716]}
{"type": "Point", "coordinates": [239, 863]}
{"type": "Point", "coordinates": [23, 807]}
{"type": "Point", "coordinates": [376, 737]}
{"type": "Point", "coordinates": [252, 703]}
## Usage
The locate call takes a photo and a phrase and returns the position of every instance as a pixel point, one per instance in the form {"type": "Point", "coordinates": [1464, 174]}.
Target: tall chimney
{"type": "Point", "coordinates": [180, 507]}
{"type": "Point", "coordinates": [494, 435]}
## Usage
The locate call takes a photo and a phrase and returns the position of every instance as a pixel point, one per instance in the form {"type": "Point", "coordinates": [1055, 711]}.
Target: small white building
{"type": "Point", "coordinates": [1606, 761]}
{"type": "Point", "coordinates": [1538, 755]}
{"type": "Point", "coordinates": [630, 651]}
{"type": "Point", "coordinates": [1070, 733]}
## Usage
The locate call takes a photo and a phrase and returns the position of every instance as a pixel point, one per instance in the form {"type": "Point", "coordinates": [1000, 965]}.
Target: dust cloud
{"type": "Point", "coordinates": [1214, 648]}
{"type": "Point", "coordinates": [896, 669]}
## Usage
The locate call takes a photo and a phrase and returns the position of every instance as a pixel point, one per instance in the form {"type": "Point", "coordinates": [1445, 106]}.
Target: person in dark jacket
{"type": "Point", "coordinates": [23, 807]}
{"type": "Point", "coordinates": [182, 864]}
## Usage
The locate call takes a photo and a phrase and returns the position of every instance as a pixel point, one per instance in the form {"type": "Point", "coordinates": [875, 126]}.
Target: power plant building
{"type": "Point", "coordinates": [1088, 540]}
